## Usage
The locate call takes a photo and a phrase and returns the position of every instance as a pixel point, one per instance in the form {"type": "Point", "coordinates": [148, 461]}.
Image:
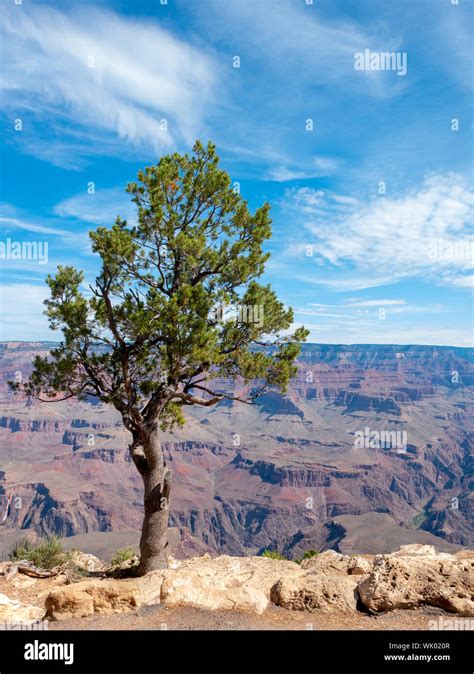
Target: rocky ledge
{"type": "Point", "coordinates": [414, 576]}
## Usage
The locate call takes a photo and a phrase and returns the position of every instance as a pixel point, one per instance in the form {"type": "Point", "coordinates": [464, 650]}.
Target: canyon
{"type": "Point", "coordinates": [285, 473]}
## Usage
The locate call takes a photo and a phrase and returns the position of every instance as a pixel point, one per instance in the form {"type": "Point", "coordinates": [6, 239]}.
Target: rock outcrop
{"type": "Point", "coordinates": [327, 583]}
{"type": "Point", "coordinates": [85, 598]}
{"type": "Point", "coordinates": [86, 561]}
{"type": "Point", "coordinates": [330, 562]}
{"type": "Point", "coordinates": [12, 611]}
{"type": "Point", "coordinates": [416, 576]}
{"type": "Point", "coordinates": [225, 582]}
{"type": "Point", "coordinates": [412, 577]}
{"type": "Point", "coordinates": [313, 592]}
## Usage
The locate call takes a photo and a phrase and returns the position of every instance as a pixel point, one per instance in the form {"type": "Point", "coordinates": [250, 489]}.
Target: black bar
{"type": "Point", "coordinates": [130, 651]}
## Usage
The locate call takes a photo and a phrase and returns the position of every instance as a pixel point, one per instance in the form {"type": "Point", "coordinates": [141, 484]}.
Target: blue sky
{"type": "Point", "coordinates": [369, 177]}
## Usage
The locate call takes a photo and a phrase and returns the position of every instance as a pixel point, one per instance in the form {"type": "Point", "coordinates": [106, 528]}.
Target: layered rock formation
{"type": "Point", "coordinates": [282, 474]}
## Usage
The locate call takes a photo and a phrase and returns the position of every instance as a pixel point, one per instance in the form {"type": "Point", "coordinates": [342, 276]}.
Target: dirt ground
{"type": "Point", "coordinates": [33, 591]}
{"type": "Point", "coordinates": [275, 618]}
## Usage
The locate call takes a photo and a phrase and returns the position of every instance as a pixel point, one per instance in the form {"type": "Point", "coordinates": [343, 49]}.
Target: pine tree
{"type": "Point", "coordinates": [175, 308]}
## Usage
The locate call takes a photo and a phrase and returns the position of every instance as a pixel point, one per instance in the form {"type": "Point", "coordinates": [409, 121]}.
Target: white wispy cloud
{"type": "Point", "coordinates": [373, 303]}
{"type": "Point", "coordinates": [361, 321]}
{"type": "Point", "coordinates": [372, 333]}
{"type": "Point", "coordinates": [299, 39]}
{"type": "Point", "coordinates": [100, 207]}
{"type": "Point", "coordinates": [453, 35]}
{"type": "Point", "coordinates": [462, 281]}
{"type": "Point", "coordinates": [424, 232]}
{"type": "Point", "coordinates": [141, 74]}
{"type": "Point", "coordinates": [11, 223]}
{"type": "Point", "coordinates": [368, 309]}
{"type": "Point", "coordinates": [17, 223]}
{"type": "Point", "coordinates": [316, 168]}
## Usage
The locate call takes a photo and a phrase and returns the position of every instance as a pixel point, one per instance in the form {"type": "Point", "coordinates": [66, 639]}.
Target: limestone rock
{"type": "Point", "coordinates": [403, 581]}
{"type": "Point", "coordinates": [86, 561]}
{"type": "Point", "coordinates": [328, 561]}
{"type": "Point", "coordinates": [225, 582]}
{"type": "Point", "coordinates": [13, 611]}
{"type": "Point", "coordinates": [464, 554]}
{"type": "Point", "coordinates": [330, 582]}
{"type": "Point", "coordinates": [331, 562]}
{"type": "Point", "coordinates": [21, 581]}
{"type": "Point", "coordinates": [103, 596]}
{"type": "Point", "coordinates": [359, 566]}
{"type": "Point", "coordinates": [4, 568]}
{"type": "Point", "coordinates": [415, 549]}
{"type": "Point", "coordinates": [317, 592]}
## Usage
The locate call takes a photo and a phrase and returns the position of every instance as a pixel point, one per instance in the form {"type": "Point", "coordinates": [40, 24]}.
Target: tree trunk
{"type": "Point", "coordinates": [149, 460]}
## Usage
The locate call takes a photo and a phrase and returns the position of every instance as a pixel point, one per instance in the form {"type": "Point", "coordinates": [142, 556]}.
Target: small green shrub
{"type": "Point", "coordinates": [307, 555]}
{"type": "Point", "coordinates": [46, 554]}
{"type": "Point", "coordinates": [418, 521]}
{"type": "Point", "coordinates": [121, 556]}
{"type": "Point", "coordinates": [20, 549]}
{"type": "Point", "coordinates": [272, 554]}
{"type": "Point", "coordinates": [310, 553]}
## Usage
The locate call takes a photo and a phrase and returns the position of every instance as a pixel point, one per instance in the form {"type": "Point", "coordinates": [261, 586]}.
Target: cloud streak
{"type": "Point", "coordinates": [97, 70]}
{"type": "Point", "coordinates": [424, 233]}
{"type": "Point", "coordinates": [101, 208]}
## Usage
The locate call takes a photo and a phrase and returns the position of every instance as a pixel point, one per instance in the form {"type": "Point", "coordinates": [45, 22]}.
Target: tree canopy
{"type": "Point", "coordinates": [153, 333]}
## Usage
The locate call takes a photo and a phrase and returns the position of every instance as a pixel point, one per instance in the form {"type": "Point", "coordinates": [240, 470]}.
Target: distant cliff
{"type": "Point", "coordinates": [250, 477]}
